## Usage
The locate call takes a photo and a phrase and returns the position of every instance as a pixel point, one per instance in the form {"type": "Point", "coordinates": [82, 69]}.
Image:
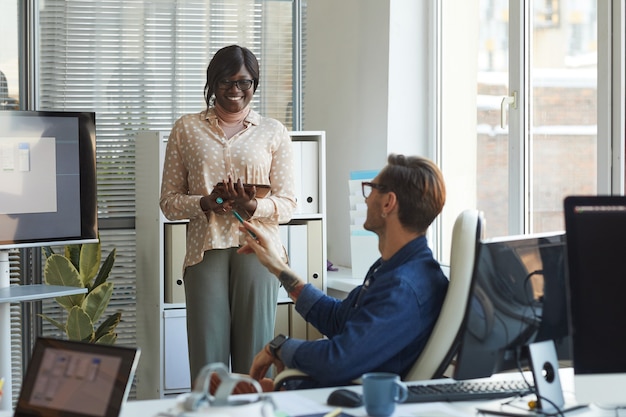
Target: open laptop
{"type": "Point", "coordinates": [76, 379]}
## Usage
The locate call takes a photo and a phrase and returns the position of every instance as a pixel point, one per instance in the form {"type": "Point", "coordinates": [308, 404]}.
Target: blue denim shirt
{"type": "Point", "coordinates": [382, 325]}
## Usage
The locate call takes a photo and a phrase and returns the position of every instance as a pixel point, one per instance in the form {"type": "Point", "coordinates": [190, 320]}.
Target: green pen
{"type": "Point", "coordinates": [241, 221]}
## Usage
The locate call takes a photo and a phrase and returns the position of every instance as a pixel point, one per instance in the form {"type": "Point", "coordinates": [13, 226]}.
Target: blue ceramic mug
{"type": "Point", "coordinates": [381, 392]}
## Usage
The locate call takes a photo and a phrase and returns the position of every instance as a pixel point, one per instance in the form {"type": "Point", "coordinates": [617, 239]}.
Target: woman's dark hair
{"type": "Point", "coordinates": [225, 63]}
{"type": "Point", "coordinates": [419, 186]}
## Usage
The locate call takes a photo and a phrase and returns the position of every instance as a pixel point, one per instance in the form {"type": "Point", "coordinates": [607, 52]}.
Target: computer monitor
{"type": "Point", "coordinates": [596, 260]}
{"type": "Point", "coordinates": [516, 318]}
{"type": "Point", "coordinates": [517, 298]}
{"type": "Point", "coordinates": [47, 178]}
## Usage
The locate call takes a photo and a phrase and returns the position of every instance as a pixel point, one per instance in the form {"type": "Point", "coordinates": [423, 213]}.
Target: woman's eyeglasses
{"type": "Point", "coordinates": [241, 84]}
{"type": "Point", "coordinates": [367, 187]}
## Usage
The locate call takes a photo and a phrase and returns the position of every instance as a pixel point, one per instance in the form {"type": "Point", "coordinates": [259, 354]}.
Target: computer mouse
{"type": "Point", "coordinates": [344, 397]}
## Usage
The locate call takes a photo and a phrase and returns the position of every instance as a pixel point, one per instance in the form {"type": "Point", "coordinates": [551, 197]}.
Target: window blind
{"type": "Point", "coordinates": [15, 312]}
{"type": "Point", "coordinates": [141, 65]}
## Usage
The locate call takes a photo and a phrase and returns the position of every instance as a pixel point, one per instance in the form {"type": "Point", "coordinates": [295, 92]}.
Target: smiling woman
{"type": "Point", "coordinates": [210, 158]}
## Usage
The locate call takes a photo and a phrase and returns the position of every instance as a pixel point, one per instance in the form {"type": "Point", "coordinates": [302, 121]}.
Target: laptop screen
{"type": "Point", "coordinates": [76, 379]}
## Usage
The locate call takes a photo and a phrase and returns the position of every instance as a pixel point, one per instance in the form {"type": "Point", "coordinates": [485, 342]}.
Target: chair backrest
{"type": "Point", "coordinates": [443, 341]}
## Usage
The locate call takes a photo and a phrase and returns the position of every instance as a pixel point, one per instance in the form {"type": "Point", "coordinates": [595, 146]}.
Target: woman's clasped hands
{"type": "Point", "coordinates": [228, 196]}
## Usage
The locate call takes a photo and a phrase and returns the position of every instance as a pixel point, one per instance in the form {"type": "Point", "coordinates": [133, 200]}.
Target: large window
{"type": "Point", "coordinates": [537, 111]}
{"type": "Point", "coordinates": [541, 117]}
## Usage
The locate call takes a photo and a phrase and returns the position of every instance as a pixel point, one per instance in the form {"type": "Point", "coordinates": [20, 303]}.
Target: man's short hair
{"type": "Point", "coordinates": [419, 186]}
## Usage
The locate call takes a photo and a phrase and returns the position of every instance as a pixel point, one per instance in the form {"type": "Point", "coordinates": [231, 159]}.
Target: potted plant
{"type": "Point", "coordinates": [80, 267]}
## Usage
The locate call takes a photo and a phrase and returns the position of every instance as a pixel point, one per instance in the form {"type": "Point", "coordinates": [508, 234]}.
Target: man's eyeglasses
{"type": "Point", "coordinates": [241, 84]}
{"type": "Point", "coordinates": [367, 187]}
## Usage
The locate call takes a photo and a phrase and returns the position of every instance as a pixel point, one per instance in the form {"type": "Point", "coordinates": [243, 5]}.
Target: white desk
{"type": "Point", "coordinates": [340, 283]}
{"type": "Point", "coordinates": [303, 402]}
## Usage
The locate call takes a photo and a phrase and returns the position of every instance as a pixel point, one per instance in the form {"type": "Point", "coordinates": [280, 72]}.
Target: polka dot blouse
{"type": "Point", "coordinates": [198, 156]}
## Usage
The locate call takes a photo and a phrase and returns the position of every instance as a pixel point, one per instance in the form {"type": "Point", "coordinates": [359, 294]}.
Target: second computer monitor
{"type": "Point", "coordinates": [596, 246]}
{"type": "Point", "coordinates": [518, 297]}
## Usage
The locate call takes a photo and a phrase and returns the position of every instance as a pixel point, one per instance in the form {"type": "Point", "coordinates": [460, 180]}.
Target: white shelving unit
{"type": "Point", "coordinates": [161, 314]}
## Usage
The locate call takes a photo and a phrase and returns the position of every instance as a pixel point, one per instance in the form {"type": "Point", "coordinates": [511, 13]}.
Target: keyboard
{"type": "Point", "coordinates": [467, 391]}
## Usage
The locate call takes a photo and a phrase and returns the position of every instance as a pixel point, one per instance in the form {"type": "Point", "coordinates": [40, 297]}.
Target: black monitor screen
{"type": "Point", "coordinates": [518, 297]}
{"type": "Point", "coordinates": [596, 238]}
{"type": "Point", "coordinates": [47, 178]}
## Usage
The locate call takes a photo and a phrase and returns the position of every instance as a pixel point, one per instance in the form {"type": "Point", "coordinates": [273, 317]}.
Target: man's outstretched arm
{"type": "Point", "coordinates": [268, 256]}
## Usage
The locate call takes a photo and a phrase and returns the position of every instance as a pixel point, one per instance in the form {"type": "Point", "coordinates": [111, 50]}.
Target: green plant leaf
{"type": "Point", "coordinates": [89, 262]}
{"type": "Point", "coordinates": [57, 324]}
{"type": "Point", "coordinates": [79, 326]}
{"type": "Point", "coordinates": [105, 269]}
{"type": "Point", "coordinates": [72, 252]}
{"type": "Point", "coordinates": [78, 267]}
{"type": "Point", "coordinates": [109, 325]}
{"type": "Point", "coordinates": [97, 300]}
{"type": "Point", "coordinates": [60, 271]}
{"type": "Point", "coordinates": [107, 339]}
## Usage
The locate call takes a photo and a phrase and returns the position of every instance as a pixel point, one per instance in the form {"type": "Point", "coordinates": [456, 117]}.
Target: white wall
{"type": "Point", "coordinates": [409, 93]}
{"type": "Point", "coordinates": [360, 55]}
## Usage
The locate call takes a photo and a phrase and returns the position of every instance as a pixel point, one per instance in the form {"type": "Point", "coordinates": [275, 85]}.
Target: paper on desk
{"type": "Point", "coordinates": [429, 410]}
{"type": "Point", "coordinates": [295, 405]}
{"type": "Point", "coordinates": [421, 410]}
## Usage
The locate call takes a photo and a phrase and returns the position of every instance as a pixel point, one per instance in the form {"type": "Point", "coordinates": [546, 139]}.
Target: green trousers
{"type": "Point", "coordinates": [231, 309]}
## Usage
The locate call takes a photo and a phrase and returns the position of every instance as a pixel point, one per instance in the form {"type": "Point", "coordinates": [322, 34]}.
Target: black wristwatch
{"type": "Point", "coordinates": [276, 343]}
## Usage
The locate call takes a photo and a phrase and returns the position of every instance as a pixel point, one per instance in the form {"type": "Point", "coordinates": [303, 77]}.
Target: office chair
{"type": "Point", "coordinates": [443, 341]}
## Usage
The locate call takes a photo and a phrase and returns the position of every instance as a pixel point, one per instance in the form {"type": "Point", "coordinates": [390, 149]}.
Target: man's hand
{"type": "Point", "coordinates": [262, 363]}
{"type": "Point", "coordinates": [263, 249]}
{"type": "Point", "coordinates": [268, 256]}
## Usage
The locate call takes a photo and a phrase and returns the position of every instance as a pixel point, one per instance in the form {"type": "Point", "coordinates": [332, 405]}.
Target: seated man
{"type": "Point", "coordinates": [383, 324]}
